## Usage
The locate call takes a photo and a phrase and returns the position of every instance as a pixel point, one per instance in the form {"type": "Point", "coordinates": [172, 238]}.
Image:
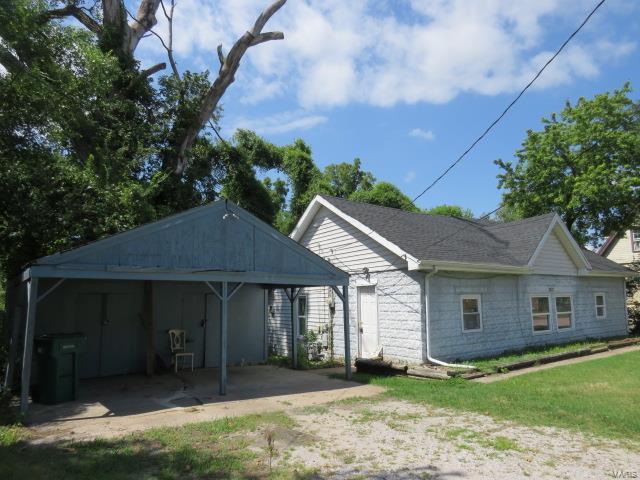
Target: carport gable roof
{"type": "Point", "coordinates": [216, 242]}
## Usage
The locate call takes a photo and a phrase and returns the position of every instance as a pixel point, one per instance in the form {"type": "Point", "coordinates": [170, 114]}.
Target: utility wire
{"type": "Point", "coordinates": [513, 102]}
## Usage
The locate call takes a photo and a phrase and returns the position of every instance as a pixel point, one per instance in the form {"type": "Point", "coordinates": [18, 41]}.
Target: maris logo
{"type": "Point", "coordinates": [625, 474]}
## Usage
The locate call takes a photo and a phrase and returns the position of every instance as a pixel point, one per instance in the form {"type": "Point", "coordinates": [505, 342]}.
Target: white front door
{"type": "Point", "coordinates": [368, 321]}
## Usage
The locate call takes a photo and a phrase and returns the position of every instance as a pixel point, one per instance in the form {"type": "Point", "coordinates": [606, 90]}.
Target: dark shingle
{"type": "Point", "coordinates": [440, 238]}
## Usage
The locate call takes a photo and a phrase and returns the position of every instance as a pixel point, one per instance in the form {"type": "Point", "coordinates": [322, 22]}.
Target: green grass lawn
{"type": "Point", "coordinates": [492, 364]}
{"type": "Point", "coordinates": [218, 449]}
{"type": "Point", "coordinates": [600, 397]}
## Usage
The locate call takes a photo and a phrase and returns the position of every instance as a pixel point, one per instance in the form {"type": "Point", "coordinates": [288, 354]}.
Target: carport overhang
{"type": "Point", "coordinates": [222, 282]}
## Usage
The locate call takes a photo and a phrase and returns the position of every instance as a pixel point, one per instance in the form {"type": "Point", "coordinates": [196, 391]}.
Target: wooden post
{"type": "Point", "coordinates": [223, 338]}
{"type": "Point", "coordinates": [27, 353]}
{"type": "Point", "coordinates": [347, 341]}
{"type": "Point", "coordinates": [147, 318]}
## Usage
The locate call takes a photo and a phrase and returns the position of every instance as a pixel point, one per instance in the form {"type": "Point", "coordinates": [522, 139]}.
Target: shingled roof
{"type": "Point", "coordinates": [453, 239]}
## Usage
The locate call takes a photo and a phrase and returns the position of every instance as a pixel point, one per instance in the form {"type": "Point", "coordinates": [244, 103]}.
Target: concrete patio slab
{"type": "Point", "coordinates": [110, 407]}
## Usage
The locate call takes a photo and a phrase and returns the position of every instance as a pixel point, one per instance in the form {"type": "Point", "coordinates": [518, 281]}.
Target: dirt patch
{"type": "Point", "coordinates": [397, 440]}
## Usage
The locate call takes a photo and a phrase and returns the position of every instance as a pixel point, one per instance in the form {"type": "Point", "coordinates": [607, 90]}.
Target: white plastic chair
{"type": "Point", "coordinates": [177, 340]}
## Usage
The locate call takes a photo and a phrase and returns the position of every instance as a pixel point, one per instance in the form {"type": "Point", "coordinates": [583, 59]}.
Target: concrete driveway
{"type": "Point", "coordinates": [114, 406]}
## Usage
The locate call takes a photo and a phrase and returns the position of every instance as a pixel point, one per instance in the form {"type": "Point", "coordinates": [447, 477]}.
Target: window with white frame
{"type": "Point", "coordinates": [564, 312]}
{"type": "Point", "coordinates": [302, 314]}
{"type": "Point", "coordinates": [540, 313]}
{"type": "Point", "coordinates": [601, 306]}
{"type": "Point", "coordinates": [635, 240]}
{"type": "Point", "coordinates": [471, 308]}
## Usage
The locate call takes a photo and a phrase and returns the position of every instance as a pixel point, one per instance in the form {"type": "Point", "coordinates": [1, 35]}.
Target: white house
{"type": "Point", "coordinates": [433, 288]}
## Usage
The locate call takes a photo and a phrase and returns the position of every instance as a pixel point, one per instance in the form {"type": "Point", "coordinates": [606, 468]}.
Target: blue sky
{"type": "Point", "coordinates": [407, 85]}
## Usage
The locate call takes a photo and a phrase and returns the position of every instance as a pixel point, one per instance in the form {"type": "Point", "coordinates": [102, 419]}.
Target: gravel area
{"type": "Point", "coordinates": [387, 439]}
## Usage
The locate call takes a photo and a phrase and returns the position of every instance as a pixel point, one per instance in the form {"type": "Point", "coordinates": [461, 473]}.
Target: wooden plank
{"type": "Point", "coordinates": [27, 353]}
{"type": "Point", "coordinates": [223, 337]}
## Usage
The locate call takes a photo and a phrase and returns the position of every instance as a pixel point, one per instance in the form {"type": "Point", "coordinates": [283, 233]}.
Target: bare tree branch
{"type": "Point", "coordinates": [142, 75]}
{"type": "Point", "coordinates": [267, 36]}
{"type": "Point", "coordinates": [226, 76]}
{"type": "Point", "coordinates": [143, 22]}
{"type": "Point", "coordinates": [169, 47]}
{"type": "Point", "coordinates": [220, 55]}
{"type": "Point", "coordinates": [172, 61]}
{"type": "Point", "coordinates": [73, 11]}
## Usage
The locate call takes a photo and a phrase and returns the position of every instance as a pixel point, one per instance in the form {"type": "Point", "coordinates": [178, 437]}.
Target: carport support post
{"type": "Point", "coordinates": [27, 353]}
{"type": "Point", "coordinates": [223, 337]}
{"type": "Point", "coordinates": [347, 340]}
{"type": "Point", "coordinates": [294, 327]}
{"type": "Point", "coordinates": [147, 318]}
{"type": "Point", "coordinates": [294, 330]}
{"type": "Point", "coordinates": [15, 317]}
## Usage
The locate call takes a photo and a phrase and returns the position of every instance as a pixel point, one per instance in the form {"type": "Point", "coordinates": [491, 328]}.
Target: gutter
{"type": "Point", "coordinates": [429, 357]}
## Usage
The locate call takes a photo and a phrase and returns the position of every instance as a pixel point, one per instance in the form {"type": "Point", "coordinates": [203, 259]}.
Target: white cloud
{"type": "Point", "coordinates": [423, 134]}
{"type": "Point", "coordinates": [280, 123]}
{"type": "Point", "coordinates": [259, 89]}
{"type": "Point", "coordinates": [385, 53]}
{"type": "Point", "coordinates": [409, 176]}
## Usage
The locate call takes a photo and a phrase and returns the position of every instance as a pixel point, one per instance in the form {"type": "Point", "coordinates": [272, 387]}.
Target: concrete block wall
{"type": "Point", "coordinates": [506, 312]}
{"type": "Point", "coordinates": [400, 295]}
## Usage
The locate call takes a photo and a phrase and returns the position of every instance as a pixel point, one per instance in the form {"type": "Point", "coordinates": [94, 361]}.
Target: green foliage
{"type": "Point", "coordinates": [584, 164]}
{"type": "Point", "coordinates": [450, 211]}
{"type": "Point", "coordinates": [348, 178]}
{"type": "Point", "coordinates": [386, 195]}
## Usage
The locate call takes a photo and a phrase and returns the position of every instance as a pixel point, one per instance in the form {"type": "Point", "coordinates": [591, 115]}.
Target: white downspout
{"type": "Point", "coordinates": [426, 304]}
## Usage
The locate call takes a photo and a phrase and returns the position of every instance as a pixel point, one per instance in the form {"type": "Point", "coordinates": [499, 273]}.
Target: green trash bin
{"type": "Point", "coordinates": [58, 366]}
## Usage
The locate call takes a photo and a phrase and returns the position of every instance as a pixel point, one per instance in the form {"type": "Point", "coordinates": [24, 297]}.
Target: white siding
{"type": "Point", "coordinates": [278, 323]}
{"type": "Point", "coordinates": [345, 246]}
{"type": "Point", "coordinates": [400, 311]}
{"type": "Point", "coordinates": [620, 251]}
{"type": "Point", "coordinates": [554, 259]}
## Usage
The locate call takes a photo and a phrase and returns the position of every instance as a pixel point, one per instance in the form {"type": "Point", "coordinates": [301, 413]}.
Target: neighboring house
{"type": "Point", "coordinates": [426, 287]}
{"type": "Point", "coordinates": [622, 248]}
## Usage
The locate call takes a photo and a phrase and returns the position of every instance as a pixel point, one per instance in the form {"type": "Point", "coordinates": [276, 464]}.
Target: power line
{"type": "Point", "coordinates": [513, 102]}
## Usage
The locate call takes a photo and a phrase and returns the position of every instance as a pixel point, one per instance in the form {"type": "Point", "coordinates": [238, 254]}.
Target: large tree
{"type": "Point", "coordinates": [385, 194]}
{"type": "Point", "coordinates": [450, 211]}
{"type": "Point", "coordinates": [584, 164]}
{"type": "Point", "coordinates": [91, 143]}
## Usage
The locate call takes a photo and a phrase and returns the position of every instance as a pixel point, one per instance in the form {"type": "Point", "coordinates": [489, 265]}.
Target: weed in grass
{"type": "Point", "coordinates": [501, 443]}
{"type": "Point", "coordinates": [348, 458]}
{"type": "Point", "coordinates": [316, 410]}
{"type": "Point", "coordinates": [270, 437]}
